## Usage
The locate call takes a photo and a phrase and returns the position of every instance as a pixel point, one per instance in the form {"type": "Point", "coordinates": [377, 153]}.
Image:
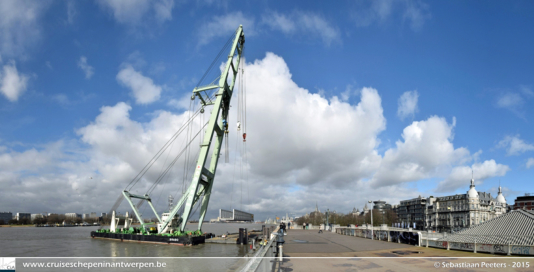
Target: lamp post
{"type": "Point", "coordinates": [327, 214]}
{"type": "Point", "coordinates": [333, 226]}
{"type": "Point", "coordinates": [371, 221]}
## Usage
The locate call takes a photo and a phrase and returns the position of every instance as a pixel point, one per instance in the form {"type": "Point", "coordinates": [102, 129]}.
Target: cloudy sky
{"type": "Point", "coordinates": [357, 101]}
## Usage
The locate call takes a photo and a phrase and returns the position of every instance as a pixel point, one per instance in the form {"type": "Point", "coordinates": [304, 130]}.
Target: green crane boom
{"type": "Point", "coordinates": [202, 182]}
{"type": "Point", "coordinates": [203, 177]}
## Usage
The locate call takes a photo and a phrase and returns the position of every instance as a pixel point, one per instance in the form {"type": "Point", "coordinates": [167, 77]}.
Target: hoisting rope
{"type": "Point", "coordinates": [216, 59]}
{"type": "Point", "coordinates": [241, 131]}
{"type": "Point", "coordinates": [245, 123]}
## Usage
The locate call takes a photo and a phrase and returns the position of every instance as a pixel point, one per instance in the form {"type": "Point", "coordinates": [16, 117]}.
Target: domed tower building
{"type": "Point", "coordinates": [365, 210]}
{"type": "Point", "coordinates": [473, 202]}
{"type": "Point", "coordinates": [500, 206]}
{"type": "Point", "coordinates": [456, 212]}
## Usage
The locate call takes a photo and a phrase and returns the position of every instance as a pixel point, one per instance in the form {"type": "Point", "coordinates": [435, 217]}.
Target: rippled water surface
{"type": "Point", "coordinates": [76, 242]}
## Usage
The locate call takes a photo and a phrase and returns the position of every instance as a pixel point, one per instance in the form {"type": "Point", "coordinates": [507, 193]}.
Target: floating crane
{"type": "Point", "coordinates": [203, 177]}
{"type": "Point", "coordinates": [202, 180]}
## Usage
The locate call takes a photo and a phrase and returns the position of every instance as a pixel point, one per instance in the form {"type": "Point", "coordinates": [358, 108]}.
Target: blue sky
{"type": "Point", "coordinates": [361, 99]}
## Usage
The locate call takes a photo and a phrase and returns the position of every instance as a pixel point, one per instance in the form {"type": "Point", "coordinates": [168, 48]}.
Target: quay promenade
{"type": "Point", "coordinates": [308, 250]}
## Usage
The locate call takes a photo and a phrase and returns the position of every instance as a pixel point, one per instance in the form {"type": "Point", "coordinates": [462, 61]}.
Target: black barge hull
{"type": "Point", "coordinates": [179, 240]}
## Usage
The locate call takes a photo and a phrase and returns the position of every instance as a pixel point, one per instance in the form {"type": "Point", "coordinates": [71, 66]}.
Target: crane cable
{"type": "Point", "coordinates": [190, 141]}
{"type": "Point", "coordinates": [241, 125]}
{"type": "Point", "coordinates": [143, 171]}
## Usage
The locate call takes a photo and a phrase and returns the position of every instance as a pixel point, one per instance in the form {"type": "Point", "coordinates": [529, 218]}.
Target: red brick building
{"type": "Point", "coordinates": [525, 202]}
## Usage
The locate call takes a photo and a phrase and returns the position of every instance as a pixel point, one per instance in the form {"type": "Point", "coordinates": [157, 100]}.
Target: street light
{"type": "Point", "coordinates": [371, 220]}
{"type": "Point", "coordinates": [335, 217]}
{"type": "Point", "coordinates": [327, 214]}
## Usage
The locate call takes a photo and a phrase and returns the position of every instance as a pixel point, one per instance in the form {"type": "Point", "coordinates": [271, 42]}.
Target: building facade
{"type": "Point", "coordinates": [525, 202]}
{"type": "Point", "coordinates": [413, 211]}
{"type": "Point", "coordinates": [73, 216]}
{"type": "Point", "coordinates": [6, 216]}
{"type": "Point", "coordinates": [381, 206]}
{"type": "Point", "coordinates": [460, 211]}
{"type": "Point", "coordinates": [21, 216]}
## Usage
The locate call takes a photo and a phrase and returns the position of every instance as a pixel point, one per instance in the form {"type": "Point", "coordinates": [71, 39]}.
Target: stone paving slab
{"type": "Point", "coordinates": [403, 264]}
{"type": "Point", "coordinates": [310, 241]}
{"type": "Point", "coordinates": [307, 250]}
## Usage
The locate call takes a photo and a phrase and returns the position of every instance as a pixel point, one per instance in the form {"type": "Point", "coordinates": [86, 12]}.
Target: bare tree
{"type": "Point", "coordinates": [52, 219]}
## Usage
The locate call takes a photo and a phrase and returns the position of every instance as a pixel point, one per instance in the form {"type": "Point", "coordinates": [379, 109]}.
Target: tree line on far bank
{"type": "Point", "coordinates": [388, 217]}
{"type": "Point", "coordinates": [51, 220]}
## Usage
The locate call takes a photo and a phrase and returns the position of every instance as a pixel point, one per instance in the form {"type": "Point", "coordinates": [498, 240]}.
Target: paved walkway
{"type": "Point", "coordinates": [308, 250]}
{"type": "Point", "coordinates": [307, 243]}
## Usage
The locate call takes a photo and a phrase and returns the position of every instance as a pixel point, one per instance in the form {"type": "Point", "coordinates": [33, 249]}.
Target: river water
{"type": "Point", "coordinates": [76, 242]}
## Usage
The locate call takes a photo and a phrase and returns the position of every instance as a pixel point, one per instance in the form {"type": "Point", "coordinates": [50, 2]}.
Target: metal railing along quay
{"type": "Point", "coordinates": [265, 257]}
{"type": "Point", "coordinates": [494, 244]}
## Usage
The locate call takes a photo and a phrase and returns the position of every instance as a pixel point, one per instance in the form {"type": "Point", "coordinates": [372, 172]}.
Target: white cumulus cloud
{"type": "Point", "coordinates": [514, 145]}
{"type": "Point", "coordinates": [133, 12]}
{"type": "Point", "coordinates": [305, 137]}
{"type": "Point", "coordinates": [510, 101]}
{"type": "Point", "coordinates": [304, 24]}
{"type": "Point", "coordinates": [222, 26]}
{"type": "Point", "coordinates": [19, 25]}
{"type": "Point", "coordinates": [71, 11]}
{"type": "Point", "coordinates": [407, 104]}
{"type": "Point", "coordinates": [426, 151]}
{"type": "Point", "coordinates": [143, 88]}
{"type": "Point", "coordinates": [514, 101]}
{"type": "Point", "coordinates": [530, 162]}
{"type": "Point", "coordinates": [461, 175]}
{"type": "Point", "coordinates": [86, 68]}
{"type": "Point", "coordinates": [12, 83]}
{"type": "Point", "coordinates": [367, 13]}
